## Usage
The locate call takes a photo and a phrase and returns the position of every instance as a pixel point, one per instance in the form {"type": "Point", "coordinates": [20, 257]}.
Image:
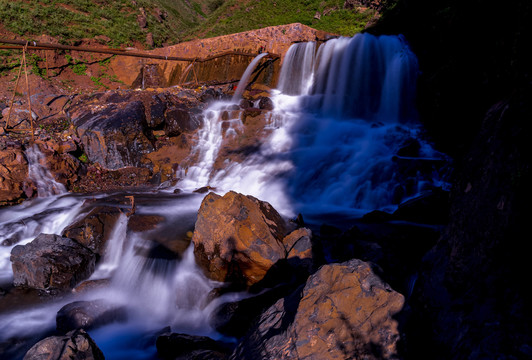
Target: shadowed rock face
{"type": "Point", "coordinates": [237, 237]}
{"type": "Point", "coordinates": [51, 262]}
{"type": "Point", "coordinates": [344, 312]}
{"type": "Point", "coordinates": [114, 136]}
{"type": "Point", "coordinates": [76, 345]}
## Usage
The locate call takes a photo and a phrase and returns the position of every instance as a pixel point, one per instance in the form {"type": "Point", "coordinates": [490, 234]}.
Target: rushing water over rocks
{"type": "Point", "coordinates": [342, 138]}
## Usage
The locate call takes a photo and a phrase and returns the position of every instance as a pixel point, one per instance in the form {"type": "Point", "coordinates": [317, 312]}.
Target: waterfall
{"type": "Point", "coordinates": [297, 72]}
{"type": "Point", "coordinates": [40, 175]}
{"type": "Point", "coordinates": [245, 77]}
{"type": "Point", "coordinates": [342, 115]}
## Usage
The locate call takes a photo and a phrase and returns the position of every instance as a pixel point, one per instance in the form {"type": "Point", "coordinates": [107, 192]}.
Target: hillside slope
{"type": "Point", "coordinates": [154, 23]}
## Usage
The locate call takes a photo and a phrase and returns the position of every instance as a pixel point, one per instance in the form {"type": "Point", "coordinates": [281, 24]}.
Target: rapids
{"type": "Point", "coordinates": [342, 112]}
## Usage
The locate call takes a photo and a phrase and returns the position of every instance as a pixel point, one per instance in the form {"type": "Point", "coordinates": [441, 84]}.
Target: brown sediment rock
{"type": "Point", "coordinates": [238, 238]}
{"type": "Point", "coordinates": [94, 229]}
{"type": "Point", "coordinates": [13, 175]}
{"type": "Point", "coordinates": [273, 39]}
{"type": "Point", "coordinates": [344, 312]}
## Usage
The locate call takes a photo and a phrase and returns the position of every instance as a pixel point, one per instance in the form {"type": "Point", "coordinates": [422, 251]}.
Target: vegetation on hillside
{"type": "Point", "coordinates": [234, 16]}
{"type": "Point", "coordinates": [171, 21]}
{"type": "Point", "coordinates": [118, 20]}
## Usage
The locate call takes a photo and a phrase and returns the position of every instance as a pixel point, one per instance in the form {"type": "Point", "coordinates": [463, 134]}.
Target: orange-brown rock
{"type": "Point", "coordinates": [345, 312]}
{"type": "Point", "coordinates": [273, 39]}
{"type": "Point", "coordinates": [13, 174]}
{"type": "Point", "coordinates": [95, 228]}
{"type": "Point", "coordinates": [237, 237]}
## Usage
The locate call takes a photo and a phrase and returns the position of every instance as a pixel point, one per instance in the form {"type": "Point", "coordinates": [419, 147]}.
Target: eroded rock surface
{"type": "Point", "coordinates": [88, 314]}
{"type": "Point", "coordinates": [344, 312]}
{"type": "Point", "coordinates": [95, 228]}
{"type": "Point", "coordinates": [76, 345]}
{"type": "Point", "coordinates": [51, 262]}
{"type": "Point", "coordinates": [237, 237]}
{"type": "Point", "coordinates": [13, 173]}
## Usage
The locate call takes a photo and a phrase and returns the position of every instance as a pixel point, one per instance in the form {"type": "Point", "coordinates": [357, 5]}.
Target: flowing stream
{"type": "Point", "coordinates": [343, 112]}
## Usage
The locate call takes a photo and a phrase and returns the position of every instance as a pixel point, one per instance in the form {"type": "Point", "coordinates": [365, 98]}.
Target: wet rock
{"type": "Point", "coordinates": [89, 285]}
{"type": "Point", "coordinates": [431, 207]}
{"type": "Point", "coordinates": [94, 229]}
{"type": "Point", "coordinates": [157, 110]}
{"type": "Point", "coordinates": [410, 148]}
{"type": "Point", "coordinates": [298, 246]}
{"type": "Point", "coordinates": [344, 312]}
{"type": "Point", "coordinates": [181, 346]}
{"type": "Point", "coordinates": [265, 103]}
{"type": "Point", "coordinates": [51, 262]}
{"type": "Point", "coordinates": [245, 104]}
{"type": "Point", "coordinates": [88, 315]}
{"type": "Point", "coordinates": [209, 95]}
{"type": "Point", "coordinates": [141, 223]}
{"type": "Point", "coordinates": [76, 345]}
{"type": "Point", "coordinates": [180, 120]}
{"type": "Point", "coordinates": [237, 238]}
{"type": "Point", "coordinates": [113, 135]}
{"type": "Point", "coordinates": [13, 175]}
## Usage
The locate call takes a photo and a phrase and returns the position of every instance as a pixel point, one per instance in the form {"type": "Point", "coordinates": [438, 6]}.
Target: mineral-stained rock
{"type": "Point", "coordinates": [13, 173]}
{"type": "Point", "coordinates": [181, 120]}
{"type": "Point", "coordinates": [181, 346]}
{"type": "Point", "coordinates": [88, 314]}
{"type": "Point", "coordinates": [76, 345]}
{"type": "Point", "coordinates": [95, 228]}
{"type": "Point", "coordinates": [51, 262]}
{"type": "Point", "coordinates": [113, 135]}
{"type": "Point", "coordinates": [265, 103]}
{"type": "Point", "coordinates": [345, 312]}
{"type": "Point", "coordinates": [237, 237]}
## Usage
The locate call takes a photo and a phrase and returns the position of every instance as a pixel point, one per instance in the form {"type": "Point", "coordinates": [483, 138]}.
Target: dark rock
{"type": "Point", "coordinates": [245, 104]}
{"type": "Point", "coordinates": [88, 315]}
{"type": "Point", "coordinates": [181, 346]}
{"type": "Point", "coordinates": [157, 110]}
{"type": "Point", "coordinates": [431, 207]}
{"type": "Point", "coordinates": [94, 229]}
{"type": "Point", "coordinates": [89, 285]}
{"type": "Point", "coordinates": [76, 345]}
{"type": "Point", "coordinates": [51, 262]}
{"type": "Point", "coordinates": [209, 95]}
{"type": "Point", "coordinates": [410, 148]}
{"type": "Point", "coordinates": [237, 237]}
{"type": "Point", "coordinates": [114, 136]}
{"type": "Point", "coordinates": [265, 103]}
{"type": "Point", "coordinates": [180, 120]}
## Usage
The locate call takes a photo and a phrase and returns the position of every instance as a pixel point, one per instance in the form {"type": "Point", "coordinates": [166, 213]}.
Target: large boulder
{"type": "Point", "coordinates": [237, 237]}
{"type": "Point", "coordinates": [76, 345]}
{"type": "Point", "coordinates": [113, 135]}
{"type": "Point", "coordinates": [13, 174]}
{"type": "Point", "coordinates": [95, 228]}
{"type": "Point", "coordinates": [51, 262]}
{"type": "Point", "coordinates": [88, 314]}
{"type": "Point", "coordinates": [344, 312]}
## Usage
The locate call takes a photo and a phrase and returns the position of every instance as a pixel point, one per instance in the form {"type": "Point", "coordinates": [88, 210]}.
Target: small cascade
{"type": "Point", "coordinates": [297, 72]}
{"type": "Point", "coordinates": [245, 77]}
{"type": "Point", "coordinates": [40, 175]}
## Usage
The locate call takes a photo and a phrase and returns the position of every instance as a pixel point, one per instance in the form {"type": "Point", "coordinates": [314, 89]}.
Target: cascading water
{"type": "Point", "coordinates": [245, 77]}
{"type": "Point", "coordinates": [40, 175]}
{"type": "Point", "coordinates": [342, 115]}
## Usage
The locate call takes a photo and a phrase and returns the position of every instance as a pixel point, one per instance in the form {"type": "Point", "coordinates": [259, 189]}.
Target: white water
{"type": "Point", "coordinates": [40, 175]}
{"type": "Point", "coordinates": [341, 113]}
{"type": "Point", "coordinates": [245, 77]}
